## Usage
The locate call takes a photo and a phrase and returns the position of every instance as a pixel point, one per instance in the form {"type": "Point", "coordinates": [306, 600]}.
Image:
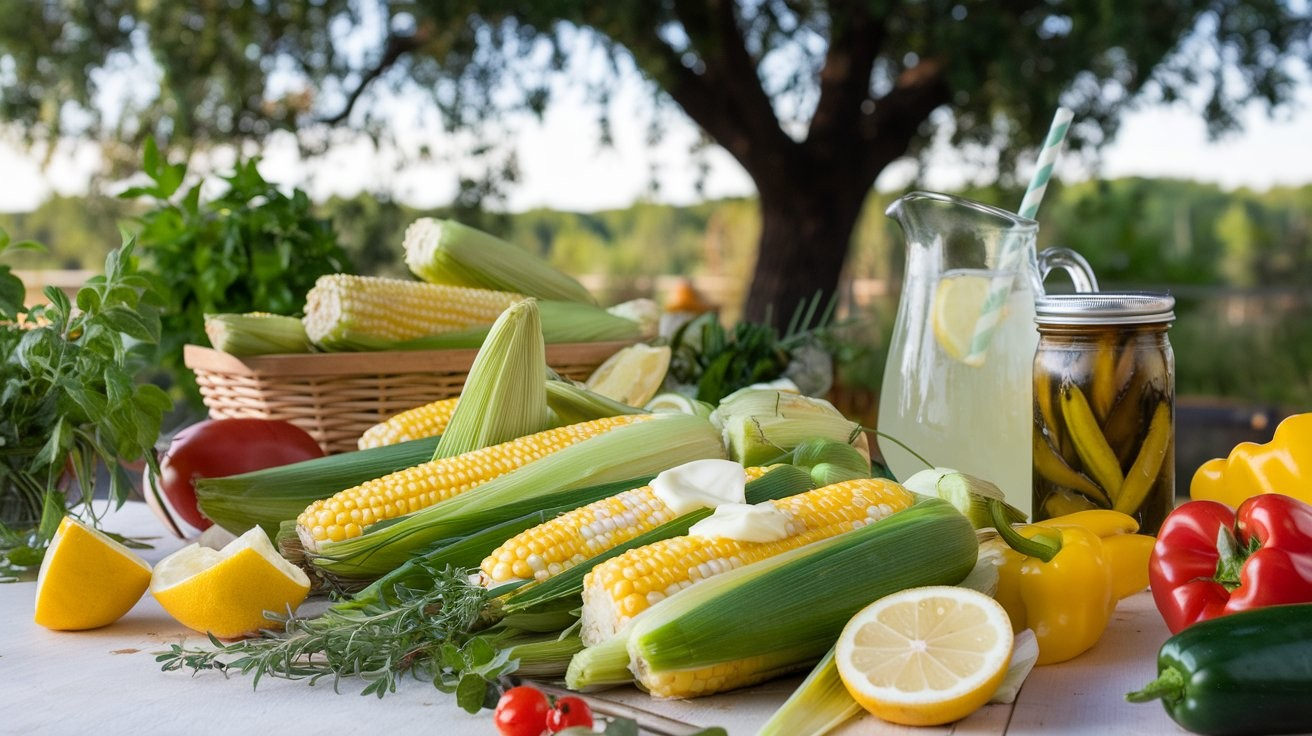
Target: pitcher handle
{"type": "Point", "coordinates": [1072, 263]}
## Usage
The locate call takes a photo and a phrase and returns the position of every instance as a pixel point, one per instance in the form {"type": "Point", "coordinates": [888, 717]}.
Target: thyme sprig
{"type": "Point", "coordinates": [428, 632]}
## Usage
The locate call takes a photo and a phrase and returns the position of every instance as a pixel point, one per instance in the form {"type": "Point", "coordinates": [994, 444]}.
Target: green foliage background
{"type": "Point", "coordinates": [1238, 261]}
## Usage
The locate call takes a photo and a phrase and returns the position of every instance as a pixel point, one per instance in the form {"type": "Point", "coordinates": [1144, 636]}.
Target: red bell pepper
{"type": "Point", "coordinates": [1211, 560]}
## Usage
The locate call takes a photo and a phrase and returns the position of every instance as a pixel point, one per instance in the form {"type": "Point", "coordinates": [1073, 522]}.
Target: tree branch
{"type": "Point", "coordinates": [845, 77]}
{"type": "Point", "coordinates": [397, 46]}
{"type": "Point", "coordinates": [887, 132]}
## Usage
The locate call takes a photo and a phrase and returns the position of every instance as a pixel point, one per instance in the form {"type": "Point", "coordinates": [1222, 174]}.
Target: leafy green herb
{"type": "Point", "coordinates": [70, 402]}
{"type": "Point", "coordinates": [718, 362]}
{"type": "Point", "coordinates": [251, 249]}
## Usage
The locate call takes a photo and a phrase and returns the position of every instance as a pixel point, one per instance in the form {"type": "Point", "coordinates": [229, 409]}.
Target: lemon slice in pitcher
{"type": "Point", "coordinates": [958, 303]}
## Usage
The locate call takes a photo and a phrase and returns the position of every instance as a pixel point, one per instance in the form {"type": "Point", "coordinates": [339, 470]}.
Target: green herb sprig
{"type": "Point", "coordinates": [70, 401]}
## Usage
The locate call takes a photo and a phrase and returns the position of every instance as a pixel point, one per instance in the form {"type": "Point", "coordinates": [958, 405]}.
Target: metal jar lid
{"type": "Point", "coordinates": [1104, 308]}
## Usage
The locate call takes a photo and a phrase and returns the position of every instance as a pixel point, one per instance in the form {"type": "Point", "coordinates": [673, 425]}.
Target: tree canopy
{"type": "Point", "coordinates": [813, 99]}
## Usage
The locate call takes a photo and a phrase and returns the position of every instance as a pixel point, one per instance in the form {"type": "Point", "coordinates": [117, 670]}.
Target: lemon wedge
{"type": "Point", "coordinates": [958, 303]}
{"type": "Point", "coordinates": [87, 580]}
{"type": "Point", "coordinates": [227, 592]}
{"type": "Point", "coordinates": [925, 656]}
{"type": "Point", "coordinates": [631, 376]}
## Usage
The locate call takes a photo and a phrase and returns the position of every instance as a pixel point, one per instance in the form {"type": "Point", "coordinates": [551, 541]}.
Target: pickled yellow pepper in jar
{"type": "Point", "coordinates": [1104, 405]}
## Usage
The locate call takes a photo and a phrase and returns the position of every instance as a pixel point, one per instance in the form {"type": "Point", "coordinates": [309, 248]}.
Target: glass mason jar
{"type": "Point", "coordinates": [1104, 405]}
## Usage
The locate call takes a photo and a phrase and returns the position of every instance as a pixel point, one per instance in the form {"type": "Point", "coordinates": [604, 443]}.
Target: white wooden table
{"type": "Point", "coordinates": [106, 681]}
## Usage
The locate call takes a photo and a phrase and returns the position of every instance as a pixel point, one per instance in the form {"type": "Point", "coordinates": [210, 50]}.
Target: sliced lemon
{"type": "Point", "coordinates": [87, 580]}
{"type": "Point", "coordinates": [633, 375]}
{"type": "Point", "coordinates": [226, 592]}
{"type": "Point", "coordinates": [925, 656]}
{"type": "Point", "coordinates": [958, 303]}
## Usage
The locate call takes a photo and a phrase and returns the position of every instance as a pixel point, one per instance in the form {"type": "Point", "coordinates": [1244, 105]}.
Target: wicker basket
{"type": "Point", "coordinates": [337, 396]}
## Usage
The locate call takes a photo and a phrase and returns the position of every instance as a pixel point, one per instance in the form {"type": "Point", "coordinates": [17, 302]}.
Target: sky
{"type": "Point", "coordinates": [563, 166]}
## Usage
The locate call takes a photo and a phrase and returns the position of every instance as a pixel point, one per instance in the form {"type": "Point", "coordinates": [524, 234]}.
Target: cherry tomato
{"type": "Point", "coordinates": [569, 711]}
{"type": "Point", "coordinates": [214, 448]}
{"type": "Point", "coordinates": [522, 711]}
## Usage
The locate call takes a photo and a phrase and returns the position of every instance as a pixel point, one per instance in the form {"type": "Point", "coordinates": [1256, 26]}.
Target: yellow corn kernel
{"type": "Point", "coordinates": [626, 585]}
{"type": "Point", "coordinates": [579, 535]}
{"type": "Point", "coordinates": [343, 307]}
{"type": "Point", "coordinates": [421, 486]}
{"type": "Point", "coordinates": [428, 420]}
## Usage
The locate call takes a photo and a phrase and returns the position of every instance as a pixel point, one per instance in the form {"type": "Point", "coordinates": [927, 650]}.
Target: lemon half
{"type": "Point", "coordinates": [925, 656]}
{"type": "Point", "coordinates": [227, 592]}
{"type": "Point", "coordinates": [633, 375]}
{"type": "Point", "coordinates": [87, 580]}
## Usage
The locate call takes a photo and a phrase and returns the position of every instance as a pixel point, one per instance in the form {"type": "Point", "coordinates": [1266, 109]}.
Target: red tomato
{"type": "Point", "coordinates": [214, 448]}
{"type": "Point", "coordinates": [522, 711]}
{"type": "Point", "coordinates": [569, 711]}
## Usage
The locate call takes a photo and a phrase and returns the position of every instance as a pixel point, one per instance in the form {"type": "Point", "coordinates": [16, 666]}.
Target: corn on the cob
{"type": "Point", "coordinates": [699, 641]}
{"type": "Point", "coordinates": [583, 533]}
{"type": "Point", "coordinates": [781, 481]}
{"type": "Point", "coordinates": [268, 497]}
{"type": "Point", "coordinates": [422, 421]}
{"type": "Point", "coordinates": [504, 396]}
{"type": "Point", "coordinates": [621, 588]}
{"type": "Point", "coordinates": [348, 513]}
{"type": "Point", "coordinates": [645, 444]}
{"type": "Point", "coordinates": [345, 312]}
{"type": "Point", "coordinates": [447, 252]}
{"type": "Point", "coordinates": [256, 333]}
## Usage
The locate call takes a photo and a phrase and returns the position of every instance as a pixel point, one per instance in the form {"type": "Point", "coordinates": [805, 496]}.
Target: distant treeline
{"type": "Point", "coordinates": [1240, 261]}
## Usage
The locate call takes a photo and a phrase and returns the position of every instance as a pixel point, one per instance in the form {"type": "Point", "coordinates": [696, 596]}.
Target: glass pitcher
{"type": "Point", "coordinates": [958, 387]}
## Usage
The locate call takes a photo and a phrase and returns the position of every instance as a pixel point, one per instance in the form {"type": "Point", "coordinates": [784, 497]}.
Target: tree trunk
{"type": "Point", "coordinates": [805, 232]}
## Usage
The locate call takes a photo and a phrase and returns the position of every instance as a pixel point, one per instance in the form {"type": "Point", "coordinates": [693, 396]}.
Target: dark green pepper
{"type": "Point", "coordinates": [1245, 673]}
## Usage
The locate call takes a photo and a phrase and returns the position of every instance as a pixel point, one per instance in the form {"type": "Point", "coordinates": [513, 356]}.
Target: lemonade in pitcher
{"type": "Point", "coordinates": [972, 418]}
{"type": "Point", "coordinates": [958, 384]}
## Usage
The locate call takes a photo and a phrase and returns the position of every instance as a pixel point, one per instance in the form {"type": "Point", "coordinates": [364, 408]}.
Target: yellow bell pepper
{"type": "Point", "coordinates": [1063, 577]}
{"type": "Point", "coordinates": [1283, 465]}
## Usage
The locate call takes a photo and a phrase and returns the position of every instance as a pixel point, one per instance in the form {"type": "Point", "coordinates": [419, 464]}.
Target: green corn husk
{"type": "Point", "coordinates": [266, 498]}
{"type": "Point", "coordinates": [505, 394]}
{"type": "Point", "coordinates": [809, 594]}
{"type": "Point", "coordinates": [830, 462]}
{"type": "Point", "coordinates": [781, 482]}
{"type": "Point", "coordinates": [562, 322]}
{"type": "Point", "coordinates": [447, 252]}
{"type": "Point", "coordinates": [969, 494]}
{"type": "Point", "coordinates": [256, 333]}
{"type": "Point", "coordinates": [761, 424]}
{"type": "Point", "coordinates": [571, 403]}
{"type": "Point", "coordinates": [545, 656]}
{"type": "Point", "coordinates": [819, 705]}
{"type": "Point", "coordinates": [644, 447]}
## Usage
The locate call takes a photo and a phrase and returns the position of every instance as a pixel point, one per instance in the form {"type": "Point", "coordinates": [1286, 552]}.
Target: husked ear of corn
{"type": "Point", "coordinates": [781, 481]}
{"type": "Point", "coordinates": [256, 333]}
{"type": "Point", "coordinates": [447, 252]}
{"type": "Point", "coordinates": [347, 312]}
{"type": "Point", "coordinates": [780, 614]}
{"type": "Point", "coordinates": [562, 322]}
{"type": "Point", "coordinates": [567, 540]}
{"type": "Point", "coordinates": [348, 513]}
{"type": "Point", "coordinates": [428, 420]}
{"type": "Point", "coordinates": [634, 446]}
{"type": "Point", "coordinates": [626, 586]}
{"type": "Point", "coordinates": [268, 497]}
{"type": "Point", "coordinates": [504, 395]}
{"type": "Point", "coordinates": [761, 424]}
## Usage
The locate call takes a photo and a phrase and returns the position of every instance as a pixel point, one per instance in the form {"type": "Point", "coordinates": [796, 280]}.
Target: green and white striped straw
{"type": "Point", "coordinates": [1012, 256]}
